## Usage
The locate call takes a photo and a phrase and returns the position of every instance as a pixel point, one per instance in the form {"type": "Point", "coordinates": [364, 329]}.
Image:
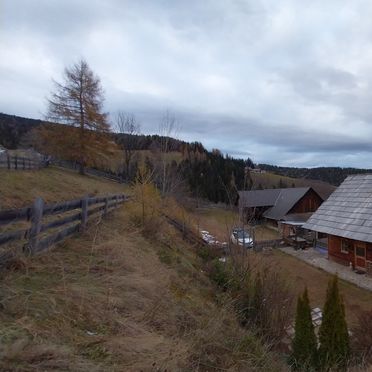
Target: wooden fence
{"type": "Point", "coordinates": [260, 245]}
{"type": "Point", "coordinates": [187, 233]}
{"type": "Point", "coordinates": [91, 171]}
{"type": "Point", "coordinates": [46, 221]}
{"type": "Point", "coordinates": [20, 163]}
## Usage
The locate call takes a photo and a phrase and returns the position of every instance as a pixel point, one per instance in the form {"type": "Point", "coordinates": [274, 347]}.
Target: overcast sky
{"type": "Point", "coordinates": [283, 82]}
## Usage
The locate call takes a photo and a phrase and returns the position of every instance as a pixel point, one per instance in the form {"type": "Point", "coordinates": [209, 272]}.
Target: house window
{"type": "Point", "coordinates": [345, 246]}
{"type": "Point", "coordinates": [360, 251]}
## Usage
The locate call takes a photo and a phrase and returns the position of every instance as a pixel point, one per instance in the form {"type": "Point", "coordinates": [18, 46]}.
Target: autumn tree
{"type": "Point", "coordinates": [128, 128]}
{"type": "Point", "coordinates": [334, 346]}
{"type": "Point", "coordinates": [77, 105]}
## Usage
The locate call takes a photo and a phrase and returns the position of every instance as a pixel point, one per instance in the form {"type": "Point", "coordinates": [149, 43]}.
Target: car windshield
{"type": "Point", "coordinates": [240, 234]}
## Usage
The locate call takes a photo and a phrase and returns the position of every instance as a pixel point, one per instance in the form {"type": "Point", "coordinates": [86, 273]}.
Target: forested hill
{"type": "Point", "coordinates": [14, 128]}
{"type": "Point", "coordinates": [333, 175]}
{"type": "Point", "coordinates": [207, 174]}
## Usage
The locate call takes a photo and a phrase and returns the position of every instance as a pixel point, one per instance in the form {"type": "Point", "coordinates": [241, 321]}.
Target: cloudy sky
{"type": "Point", "coordinates": [287, 82]}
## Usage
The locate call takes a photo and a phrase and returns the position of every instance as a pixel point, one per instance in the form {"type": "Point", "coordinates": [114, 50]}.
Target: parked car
{"type": "Point", "coordinates": [241, 237]}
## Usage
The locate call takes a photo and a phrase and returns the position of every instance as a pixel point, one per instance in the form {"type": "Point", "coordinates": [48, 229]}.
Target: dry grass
{"type": "Point", "coordinates": [112, 300]}
{"type": "Point", "coordinates": [263, 232]}
{"type": "Point", "coordinates": [218, 220]}
{"type": "Point", "coordinates": [20, 188]}
{"type": "Point", "coordinates": [298, 273]}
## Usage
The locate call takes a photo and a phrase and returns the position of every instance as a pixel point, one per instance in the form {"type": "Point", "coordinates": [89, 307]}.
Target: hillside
{"type": "Point", "coordinates": [270, 180]}
{"type": "Point", "coordinates": [116, 298]}
{"type": "Point", "coordinates": [14, 128]}
{"type": "Point", "coordinates": [52, 184]}
{"type": "Point", "coordinates": [332, 175]}
{"type": "Point", "coordinates": [196, 171]}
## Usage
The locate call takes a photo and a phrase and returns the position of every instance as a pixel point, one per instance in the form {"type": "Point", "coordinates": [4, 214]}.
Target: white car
{"type": "Point", "coordinates": [241, 237]}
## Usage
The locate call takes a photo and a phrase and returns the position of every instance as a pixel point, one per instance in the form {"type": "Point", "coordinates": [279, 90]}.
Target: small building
{"type": "Point", "coordinates": [274, 205]}
{"type": "Point", "coordinates": [3, 153]}
{"type": "Point", "coordinates": [346, 217]}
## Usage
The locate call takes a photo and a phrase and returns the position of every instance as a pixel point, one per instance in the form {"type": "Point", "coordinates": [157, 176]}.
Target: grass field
{"type": "Point", "coordinates": [219, 221]}
{"type": "Point", "coordinates": [299, 274]}
{"type": "Point", "coordinates": [20, 188]}
{"type": "Point", "coordinates": [111, 299]}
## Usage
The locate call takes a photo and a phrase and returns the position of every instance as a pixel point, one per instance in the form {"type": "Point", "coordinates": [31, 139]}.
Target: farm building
{"type": "Point", "coordinates": [347, 219]}
{"type": "Point", "coordinates": [291, 204]}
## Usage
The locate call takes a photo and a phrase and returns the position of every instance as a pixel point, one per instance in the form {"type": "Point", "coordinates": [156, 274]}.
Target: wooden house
{"type": "Point", "coordinates": [275, 205]}
{"type": "Point", "coordinates": [346, 217]}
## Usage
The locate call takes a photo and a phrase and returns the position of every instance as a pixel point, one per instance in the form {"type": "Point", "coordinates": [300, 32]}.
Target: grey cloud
{"type": "Point", "coordinates": [280, 81]}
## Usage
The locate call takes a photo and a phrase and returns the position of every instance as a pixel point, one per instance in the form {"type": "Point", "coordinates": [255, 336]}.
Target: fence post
{"type": "Point", "coordinates": [16, 162]}
{"type": "Point", "coordinates": [106, 205]}
{"type": "Point", "coordinates": [24, 163]}
{"type": "Point", "coordinates": [36, 220]}
{"type": "Point", "coordinates": [29, 163]}
{"type": "Point", "coordinates": [8, 160]}
{"type": "Point", "coordinates": [84, 212]}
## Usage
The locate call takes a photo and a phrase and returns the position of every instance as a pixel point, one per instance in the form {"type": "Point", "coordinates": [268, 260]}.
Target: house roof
{"type": "Point", "coordinates": [281, 201]}
{"type": "Point", "coordinates": [259, 198]}
{"type": "Point", "coordinates": [297, 217]}
{"type": "Point", "coordinates": [348, 211]}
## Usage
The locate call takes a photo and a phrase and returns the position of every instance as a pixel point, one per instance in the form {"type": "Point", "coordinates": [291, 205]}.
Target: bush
{"type": "Point", "coordinates": [271, 305]}
{"type": "Point", "coordinates": [362, 338]}
{"type": "Point", "coordinates": [219, 272]}
{"type": "Point", "coordinates": [334, 346]}
{"type": "Point", "coordinates": [304, 343]}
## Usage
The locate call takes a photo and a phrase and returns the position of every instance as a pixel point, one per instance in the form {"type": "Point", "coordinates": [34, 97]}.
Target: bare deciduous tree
{"type": "Point", "coordinates": [129, 128]}
{"type": "Point", "coordinates": [169, 179]}
{"type": "Point", "coordinates": [77, 103]}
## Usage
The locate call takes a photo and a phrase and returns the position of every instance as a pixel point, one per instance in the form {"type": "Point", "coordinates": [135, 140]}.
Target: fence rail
{"type": "Point", "coordinates": [187, 233]}
{"type": "Point", "coordinates": [20, 163]}
{"type": "Point", "coordinates": [46, 221]}
{"type": "Point", "coordinates": [91, 171]}
{"type": "Point", "coordinates": [260, 245]}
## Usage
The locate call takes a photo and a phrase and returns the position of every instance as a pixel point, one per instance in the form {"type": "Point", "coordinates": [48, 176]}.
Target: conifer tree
{"type": "Point", "coordinates": [304, 343]}
{"type": "Point", "coordinates": [334, 346]}
{"type": "Point", "coordinates": [77, 103]}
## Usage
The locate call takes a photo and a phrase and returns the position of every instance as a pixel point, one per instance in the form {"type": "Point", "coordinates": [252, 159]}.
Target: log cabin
{"type": "Point", "coordinates": [346, 217]}
{"type": "Point", "coordinates": [275, 205]}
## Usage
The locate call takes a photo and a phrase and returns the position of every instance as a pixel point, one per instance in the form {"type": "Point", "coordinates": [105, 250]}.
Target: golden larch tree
{"type": "Point", "coordinates": [82, 132]}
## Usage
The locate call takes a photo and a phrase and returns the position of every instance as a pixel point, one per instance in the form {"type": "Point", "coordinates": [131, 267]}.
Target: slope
{"type": "Point", "coordinates": [116, 298]}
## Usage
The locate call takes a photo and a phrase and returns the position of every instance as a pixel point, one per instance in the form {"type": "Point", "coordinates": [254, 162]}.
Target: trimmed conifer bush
{"type": "Point", "coordinates": [304, 343]}
{"type": "Point", "coordinates": [334, 349]}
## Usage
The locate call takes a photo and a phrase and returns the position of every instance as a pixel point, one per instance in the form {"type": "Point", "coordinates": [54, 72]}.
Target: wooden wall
{"type": "Point", "coordinates": [335, 254]}
{"type": "Point", "coordinates": [310, 202]}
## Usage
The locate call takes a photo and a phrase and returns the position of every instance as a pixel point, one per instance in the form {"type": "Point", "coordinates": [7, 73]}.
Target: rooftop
{"type": "Point", "coordinates": [348, 211]}
{"type": "Point", "coordinates": [281, 201]}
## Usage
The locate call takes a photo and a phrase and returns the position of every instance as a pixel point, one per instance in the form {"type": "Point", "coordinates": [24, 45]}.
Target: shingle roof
{"type": "Point", "coordinates": [281, 201]}
{"type": "Point", "coordinates": [348, 211]}
{"type": "Point", "coordinates": [297, 217]}
{"type": "Point", "coordinates": [258, 198]}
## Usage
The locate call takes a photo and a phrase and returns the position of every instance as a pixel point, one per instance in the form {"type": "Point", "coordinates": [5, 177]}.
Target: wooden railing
{"type": "Point", "coordinates": [91, 171]}
{"type": "Point", "coordinates": [260, 245]}
{"type": "Point", "coordinates": [51, 223]}
{"type": "Point", "coordinates": [20, 163]}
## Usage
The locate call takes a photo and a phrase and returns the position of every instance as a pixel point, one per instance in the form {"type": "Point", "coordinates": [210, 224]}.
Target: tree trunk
{"type": "Point", "coordinates": [81, 169]}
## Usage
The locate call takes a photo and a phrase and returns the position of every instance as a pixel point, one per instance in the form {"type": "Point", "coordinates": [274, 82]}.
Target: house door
{"type": "Point", "coordinates": [360, 257]}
